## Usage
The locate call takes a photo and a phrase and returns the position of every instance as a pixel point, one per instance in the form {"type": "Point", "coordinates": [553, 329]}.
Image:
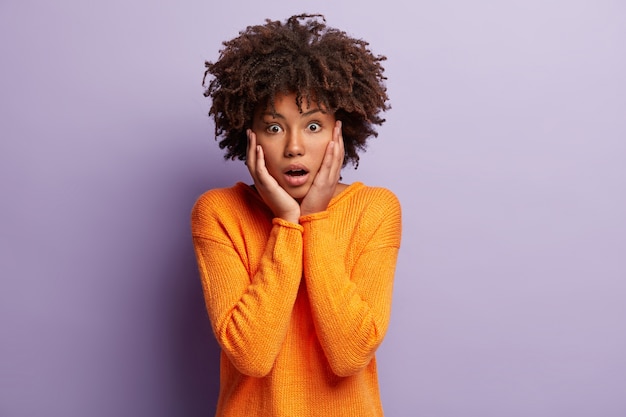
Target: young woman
{"type": "Point", "coordinates": [297, 269]}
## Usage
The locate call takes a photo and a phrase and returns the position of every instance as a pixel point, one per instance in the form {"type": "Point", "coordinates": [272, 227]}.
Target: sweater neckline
{"type": "Point", "coordinates": [351, 188]}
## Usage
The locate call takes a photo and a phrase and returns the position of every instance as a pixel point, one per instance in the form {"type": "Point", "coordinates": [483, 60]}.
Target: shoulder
{"type": "Point", "coordinates": [381, 194]}
{"type": "Point", "coordinates": [222, 206]}
{"type": "Point", "coordinates": [218, 197]}
{"type": "Point", "coordinates": [377, 199]}
{"type": "Point", "coordinates": [367, 207]}
{"type": "Point", "coordinates": [377, 214]}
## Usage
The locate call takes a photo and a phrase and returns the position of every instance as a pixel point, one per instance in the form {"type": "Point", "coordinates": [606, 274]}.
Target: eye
{"type": "Point", "coordinates": [314, 127]}
{"type": "Point", "coordinates": [274, 129]}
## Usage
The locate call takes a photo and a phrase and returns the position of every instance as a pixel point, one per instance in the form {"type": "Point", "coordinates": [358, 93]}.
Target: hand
{"type": "Point", "coordinates": [325, 183]}
{"type": "Point", "coordinates": [277, 199]}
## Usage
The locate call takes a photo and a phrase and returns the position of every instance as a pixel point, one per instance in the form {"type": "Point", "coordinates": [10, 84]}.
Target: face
{"type": "Point", "coordinates": [294, 143]}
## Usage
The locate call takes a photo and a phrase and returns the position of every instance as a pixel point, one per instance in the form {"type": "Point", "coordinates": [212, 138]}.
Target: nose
{"type": "Point", "coordinates": [294, 145]}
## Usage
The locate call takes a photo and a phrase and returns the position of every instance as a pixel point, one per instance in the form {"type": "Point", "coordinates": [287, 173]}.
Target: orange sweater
{"type": "Point", "coordinates": [298, 309]}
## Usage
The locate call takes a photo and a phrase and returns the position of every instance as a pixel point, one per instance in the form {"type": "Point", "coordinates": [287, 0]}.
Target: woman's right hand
{"type": "Point", "coordinates": [277, 199]}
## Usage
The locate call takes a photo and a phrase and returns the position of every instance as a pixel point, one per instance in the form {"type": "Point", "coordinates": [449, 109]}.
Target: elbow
{"type": "Point", "coordinates": [248, 358]}
{"type": "Point", "coordinates": [349, 362]}
{"type": "Point", "coordinates": [247, 354]}
{"type": "Point", "coordinates": [349, 366]}
{"type": "Point", "coordinates": [249, 362]}
{"type": "Point", "coordinates": [255, 370]}
{"type": "Point", "coordinates": [352, 358]}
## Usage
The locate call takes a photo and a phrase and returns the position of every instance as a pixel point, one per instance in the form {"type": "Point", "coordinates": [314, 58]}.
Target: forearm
{"type": "Point", "coordinates": [250, 309]}
{"type": "Point", "coordinates": [350, 303]}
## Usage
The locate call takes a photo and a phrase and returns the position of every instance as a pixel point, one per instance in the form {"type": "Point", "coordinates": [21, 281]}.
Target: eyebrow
{"type": "Point", "coordinates": [280, 116]}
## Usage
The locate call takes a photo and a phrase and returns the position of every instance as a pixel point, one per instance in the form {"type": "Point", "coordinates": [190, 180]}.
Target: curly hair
{"type": "Point", "coordinates": [302, 56]}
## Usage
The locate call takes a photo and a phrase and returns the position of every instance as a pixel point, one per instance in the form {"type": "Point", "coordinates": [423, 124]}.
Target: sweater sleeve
{"type": "Point", "coordinates": [351, 308]}
{"type": "Point", "coordinates": [249, 310]}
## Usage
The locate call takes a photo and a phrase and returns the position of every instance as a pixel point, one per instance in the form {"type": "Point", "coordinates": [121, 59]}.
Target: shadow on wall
{"type": "Point", "coordinates": [196, 353]}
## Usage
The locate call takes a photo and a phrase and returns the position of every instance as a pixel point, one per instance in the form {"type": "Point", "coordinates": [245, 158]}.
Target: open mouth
{"type": "Point", "coordinates": [296, 172]}
{"type": "Point", "coordinates": [296, 175]}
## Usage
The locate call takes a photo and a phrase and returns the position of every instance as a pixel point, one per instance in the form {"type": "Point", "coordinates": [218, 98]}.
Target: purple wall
{"type": "Point", "coordinates": [506, 145]}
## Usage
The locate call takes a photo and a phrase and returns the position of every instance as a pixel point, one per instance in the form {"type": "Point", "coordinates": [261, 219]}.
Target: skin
{"type": "Point", "coordinates": [287, 141]}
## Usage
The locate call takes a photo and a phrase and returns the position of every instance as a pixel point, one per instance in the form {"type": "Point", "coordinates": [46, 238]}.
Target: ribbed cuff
{"type": "Point", "coordinates": [314, 216]}
{"type": "Point", "coordinates": [285, 223]}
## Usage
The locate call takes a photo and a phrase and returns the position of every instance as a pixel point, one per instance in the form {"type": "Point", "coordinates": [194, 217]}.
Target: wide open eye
{"type": "Point", "coordinates": [314, 127]}
{"type": "Point", "coordinates": [274, 128]}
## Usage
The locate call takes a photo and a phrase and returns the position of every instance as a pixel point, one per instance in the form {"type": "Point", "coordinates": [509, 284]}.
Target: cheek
{"type": "Point", "coordinates": [320, 149]}
{"type": "Point", "coordinates": [271, 155]}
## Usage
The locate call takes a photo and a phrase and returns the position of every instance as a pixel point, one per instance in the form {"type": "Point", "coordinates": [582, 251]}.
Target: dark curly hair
{"type": "Point", "coordinates": [302, 56]}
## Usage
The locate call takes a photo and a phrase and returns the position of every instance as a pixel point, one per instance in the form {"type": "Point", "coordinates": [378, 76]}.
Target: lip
{"type": "Point", "coordinates": [296, 180]}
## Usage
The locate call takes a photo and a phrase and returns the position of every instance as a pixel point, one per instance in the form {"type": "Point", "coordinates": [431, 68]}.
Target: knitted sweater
{"type": "Point", "coordinates": [298, 309]}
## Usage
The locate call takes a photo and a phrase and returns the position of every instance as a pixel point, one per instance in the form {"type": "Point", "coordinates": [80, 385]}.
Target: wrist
{"type": "Point", "coordinates": [306, 210]}
{"type": "Point", "coordinates": [291, 217]}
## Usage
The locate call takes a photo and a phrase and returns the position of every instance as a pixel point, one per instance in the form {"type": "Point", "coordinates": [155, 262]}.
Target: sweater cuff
{"type": "Point", "coordinates": [314, 216]}
{"type": "Point", "coordinates": [282, 222]}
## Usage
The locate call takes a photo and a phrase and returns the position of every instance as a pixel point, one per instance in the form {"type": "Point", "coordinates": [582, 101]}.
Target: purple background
{"type": "Point", "coordinates": [506, 145]}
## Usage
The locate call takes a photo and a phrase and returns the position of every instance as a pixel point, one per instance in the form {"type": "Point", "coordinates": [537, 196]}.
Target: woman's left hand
{"type": "Point", "coordinates": [325, 183]}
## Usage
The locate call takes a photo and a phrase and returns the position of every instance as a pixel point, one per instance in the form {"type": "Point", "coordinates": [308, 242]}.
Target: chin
{"type": "Point", "coordinates": [299, 193]}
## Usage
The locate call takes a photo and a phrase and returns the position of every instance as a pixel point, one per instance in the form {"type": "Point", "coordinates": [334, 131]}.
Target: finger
{"type": "Point", "coordinates": [339, 125]}
{"type": "Point", "coordinates": [255, 159]}
{"type": "Point", "coordinates": [338, 152]}
{"type": "Point", "coordinates": [262, 174]}
{"type": "Point", "coordinates": [260, 157]}
{"type": "Point", "coordinates": [251, 150]}
{"type": "Point", "coordinates": [327, 163]}
{"type": "Point", "coordinates": [341, 147]}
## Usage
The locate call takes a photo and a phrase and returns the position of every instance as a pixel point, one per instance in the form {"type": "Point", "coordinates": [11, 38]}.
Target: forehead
{"type": "Point", "coordinates": [288, 101]}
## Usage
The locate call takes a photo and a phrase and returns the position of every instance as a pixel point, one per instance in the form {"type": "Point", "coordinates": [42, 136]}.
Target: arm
{"type": "Point", "coordinates": [351, 308]}
{"type": "Point", "coordinates": [249, 310]}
